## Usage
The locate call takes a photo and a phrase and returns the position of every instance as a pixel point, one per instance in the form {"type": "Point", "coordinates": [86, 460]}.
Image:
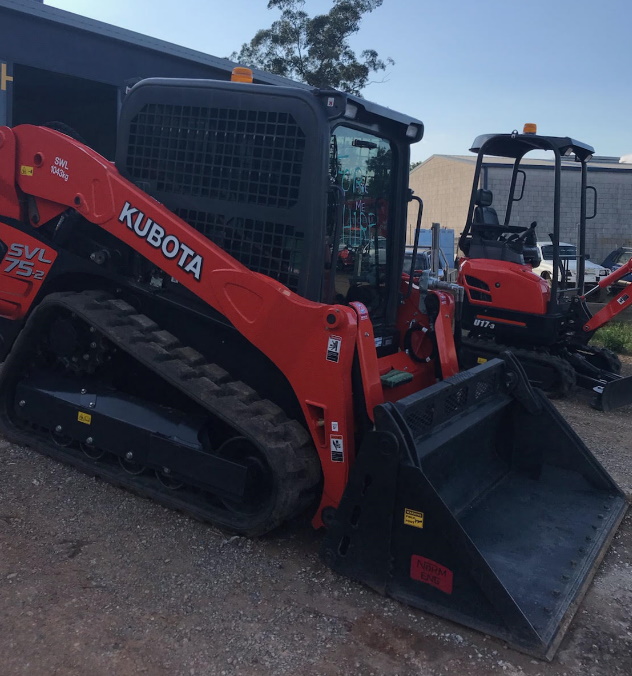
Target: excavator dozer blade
{"type": "Point", "coordinates": [613, 395]}
{"type": "Point", "coordinates": [476, 501]}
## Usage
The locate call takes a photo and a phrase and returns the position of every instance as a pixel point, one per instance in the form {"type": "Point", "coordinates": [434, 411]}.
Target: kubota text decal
{"type": "Point", "coordinates": [156, 236]}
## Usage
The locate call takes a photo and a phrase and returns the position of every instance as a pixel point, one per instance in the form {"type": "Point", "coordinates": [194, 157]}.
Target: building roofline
{"type": "Point", "coordinates": [457, 158]}
{"type": "Point", "coordinates": [82, 23]}
{"type": "Point", "coordinates": [78, 22]}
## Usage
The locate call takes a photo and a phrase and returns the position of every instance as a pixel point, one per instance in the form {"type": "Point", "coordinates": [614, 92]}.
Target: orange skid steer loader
{"type": "Point", "coordinates": [177, 324]}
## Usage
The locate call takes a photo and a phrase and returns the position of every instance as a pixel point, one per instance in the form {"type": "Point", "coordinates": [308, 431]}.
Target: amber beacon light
{"type": "Point", "coordinates": [241, 74]}
{"type": "Point", "coordinates": [529, 128]}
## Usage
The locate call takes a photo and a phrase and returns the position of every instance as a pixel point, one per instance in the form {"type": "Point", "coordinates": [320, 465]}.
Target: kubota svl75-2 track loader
{"type": "Point", "coordinates": [177, 324]}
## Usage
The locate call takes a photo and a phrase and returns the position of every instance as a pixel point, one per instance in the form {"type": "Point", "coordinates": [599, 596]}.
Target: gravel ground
{"type": "Point", "coordinates": [95, 580]}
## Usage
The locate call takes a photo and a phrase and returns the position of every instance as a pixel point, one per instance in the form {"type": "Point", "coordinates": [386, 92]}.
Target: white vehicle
{"type": "Point", "coordinates": [568, 258]}
{"type": "Point", "coordinates": [424, 262]}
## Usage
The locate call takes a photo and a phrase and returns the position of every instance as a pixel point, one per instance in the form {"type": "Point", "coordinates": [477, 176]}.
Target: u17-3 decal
{"type": "Point", "coordinates": [484, 324]}
{"type": "Point", "coordinates": [25, 261]}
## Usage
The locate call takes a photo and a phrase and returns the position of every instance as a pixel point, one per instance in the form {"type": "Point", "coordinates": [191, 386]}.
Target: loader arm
{"type": "Point", "coordinates": [616, 305]}
{"type": "Point", "coordinates": [312, 344]}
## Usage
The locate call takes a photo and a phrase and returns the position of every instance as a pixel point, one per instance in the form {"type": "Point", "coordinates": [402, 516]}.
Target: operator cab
{"type": "Point", "coordinates": [307, 186]}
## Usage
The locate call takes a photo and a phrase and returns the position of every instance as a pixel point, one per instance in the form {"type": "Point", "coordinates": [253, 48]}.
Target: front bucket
{"type": "Point", "coordinates": [476, 501]}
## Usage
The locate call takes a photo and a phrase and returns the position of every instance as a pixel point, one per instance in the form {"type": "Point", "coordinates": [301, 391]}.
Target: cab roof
{"type": "Point", "coordinates": [516, 145]}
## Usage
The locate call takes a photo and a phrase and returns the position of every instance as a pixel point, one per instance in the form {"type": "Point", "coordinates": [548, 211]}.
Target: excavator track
{"type": "Point", "coordinates": [601, 357]}
{"type": "Point", "coordinates": [590, 367]}
{"type": "Point", "coordinates": [291, 469]}
{"type": "Point", "coordinates": [556, 377]}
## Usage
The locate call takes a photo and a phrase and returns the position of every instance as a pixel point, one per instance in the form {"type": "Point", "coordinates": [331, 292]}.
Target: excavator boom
{"type": "Point", "coordinates": [615, 305]}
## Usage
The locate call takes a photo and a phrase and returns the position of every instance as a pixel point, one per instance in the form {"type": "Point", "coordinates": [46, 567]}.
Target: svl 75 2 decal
{"type": "Point", "coordinates": [24, 261]}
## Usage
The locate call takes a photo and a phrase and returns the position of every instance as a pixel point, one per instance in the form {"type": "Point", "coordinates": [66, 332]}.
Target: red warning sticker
{"type": "Point", "coordinates": [431, 572]}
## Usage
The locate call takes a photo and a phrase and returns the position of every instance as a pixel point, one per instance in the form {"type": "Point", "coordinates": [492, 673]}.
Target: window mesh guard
{"type": "Point", "coordinates": [274, 249]}
{"type": "Point", "coordinates": [245, 157]}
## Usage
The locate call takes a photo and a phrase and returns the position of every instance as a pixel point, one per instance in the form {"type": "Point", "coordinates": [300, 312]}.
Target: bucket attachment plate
{"type": "Point", "coordinates": [476, 501]}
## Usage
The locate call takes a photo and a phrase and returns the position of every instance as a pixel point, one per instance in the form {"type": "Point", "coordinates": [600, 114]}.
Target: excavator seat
{"type": "Point", "coordinates": [487, 240]}
{"type": "Point", "coordinates": [484, 212]}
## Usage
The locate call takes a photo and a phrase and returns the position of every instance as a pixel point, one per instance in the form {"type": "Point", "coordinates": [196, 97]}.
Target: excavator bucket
{"type": "Point", "coordinates": [476, 501]}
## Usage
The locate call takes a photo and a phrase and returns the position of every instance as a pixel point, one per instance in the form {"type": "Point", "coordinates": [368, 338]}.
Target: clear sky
{"type": "Point", "coordinates": [464, 67]}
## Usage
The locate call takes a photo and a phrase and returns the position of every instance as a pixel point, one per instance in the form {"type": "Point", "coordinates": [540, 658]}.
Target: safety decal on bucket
{"type": "Point", "coordinates": [333, 348]}
{"type": "Point", "coordinates": [337, 448]}
{"type": "Point", "coordinates": [432, 573]}
{"type": "Point", "coordinates": [413, 518]}
{"type": "Point", "coordinates": [85, 418]}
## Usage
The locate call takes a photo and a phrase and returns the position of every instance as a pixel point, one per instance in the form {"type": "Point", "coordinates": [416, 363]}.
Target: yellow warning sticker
{"type": "Point", "coordinates": [26, 171]}
{"type": "Point", "coordinates": [413, 518]}
{"type": "Point", "coordinates": [84, 418]}
{"type": "Point", "coordinates": [481, 360]}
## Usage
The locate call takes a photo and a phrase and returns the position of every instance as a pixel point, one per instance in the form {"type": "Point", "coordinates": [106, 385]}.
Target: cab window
{"type": "Point", "coordinates": [361, 165]}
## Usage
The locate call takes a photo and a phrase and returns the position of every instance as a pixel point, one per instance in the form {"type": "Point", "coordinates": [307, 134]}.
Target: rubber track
{"type": "Point", "coordinates": [287, 445]}
{"type": "Point", "coordinates": [566, 380]}
{"type": "Point", "coordinates": [602, 358]}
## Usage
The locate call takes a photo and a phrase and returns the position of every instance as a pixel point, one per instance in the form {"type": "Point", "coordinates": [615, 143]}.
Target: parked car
{"type": "Point", "coordinates": [568, 256]}
{"type": "Point", "coordinates": [424, 261]}
{"type": "Point", "coordinates": [615, 259]}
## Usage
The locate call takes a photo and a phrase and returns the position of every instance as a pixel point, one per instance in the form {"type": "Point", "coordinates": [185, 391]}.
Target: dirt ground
{"type": "Point", "coordinates": [96, 581]}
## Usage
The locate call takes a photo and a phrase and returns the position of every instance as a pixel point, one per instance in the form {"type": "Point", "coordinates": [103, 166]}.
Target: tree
{"type": "Point", "coordinates": [414, 164]}
{"type": "Point", "coordinates": [315, 50]}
